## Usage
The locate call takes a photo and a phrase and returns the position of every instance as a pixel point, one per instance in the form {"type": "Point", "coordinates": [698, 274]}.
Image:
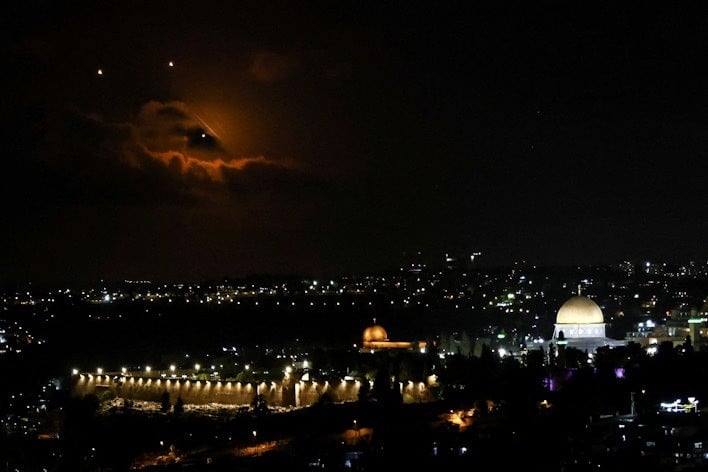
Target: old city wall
{"type": "Point", "coordinates": [202, 392]}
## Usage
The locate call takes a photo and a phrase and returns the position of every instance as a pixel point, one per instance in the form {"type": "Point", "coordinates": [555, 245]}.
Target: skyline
{"type": "Point", "coordinates": [225, 139]}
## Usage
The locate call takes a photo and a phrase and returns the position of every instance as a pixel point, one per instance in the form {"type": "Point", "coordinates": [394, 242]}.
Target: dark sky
{"type": "Point", "coordinates": [342, 136]}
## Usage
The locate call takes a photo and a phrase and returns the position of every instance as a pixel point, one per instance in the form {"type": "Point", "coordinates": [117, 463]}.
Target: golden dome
{"type": "Point", "coordinates": [375, 333]}
{"type": "Point", "coordinates": [579, 310]}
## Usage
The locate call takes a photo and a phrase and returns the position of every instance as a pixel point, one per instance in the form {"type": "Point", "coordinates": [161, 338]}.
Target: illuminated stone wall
{"type": "Point", "coordinates": [196, 392]}
{"type": "Point", "coordinates": [307, 393]}
{"type": "Point", "coordinates": [417, 392]}
{"type": "Point", "coordinates": [201, 392]}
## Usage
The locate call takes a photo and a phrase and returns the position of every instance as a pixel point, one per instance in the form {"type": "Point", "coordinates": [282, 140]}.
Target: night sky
{"type": "Point", "coordinates": [232, 138]}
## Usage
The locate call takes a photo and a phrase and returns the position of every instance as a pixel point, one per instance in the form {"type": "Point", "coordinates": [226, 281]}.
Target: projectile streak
{"type": "Point", "coordinates": [208, 128]}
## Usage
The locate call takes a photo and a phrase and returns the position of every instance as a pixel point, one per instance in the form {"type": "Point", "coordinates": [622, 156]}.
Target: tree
{"type": "Point", "coordinates": [106, 395]}
{"type": "Point", "coordinates": [327, 398]}
{"type": "Point", "coordinates": [410, 367]}
{"type": "Point", "coordinates": [260, 404]}
{"type": "Point", "coordinates": [364, 394]}
{"type": "Point", "coordinates": [179, 405]}
{"type": "Point", "coordinates": [165, 404]}
{"type": "Point", "coordinates": [687, 345]}
{"type": "Point", "coordinates": [551, 355]}
{"type": "Point", "coordinates": [382, 385]}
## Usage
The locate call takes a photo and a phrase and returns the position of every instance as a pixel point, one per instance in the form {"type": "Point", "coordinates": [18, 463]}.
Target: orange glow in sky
{"type": "Point", "coordinates": [224, 123]}
{"type": "Point", "coordinates": [209, 169]}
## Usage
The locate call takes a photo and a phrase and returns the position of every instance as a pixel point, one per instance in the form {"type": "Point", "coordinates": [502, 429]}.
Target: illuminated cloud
{"type": "Point", "coordinates": [169, 133]}
{"type": "Point", "coordinates": [208, 169]}
{"type": "Point", "coordinates": [158, 157]}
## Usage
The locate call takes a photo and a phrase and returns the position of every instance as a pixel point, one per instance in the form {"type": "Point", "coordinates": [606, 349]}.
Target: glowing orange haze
{"type": "Point", "coordinates": [212, 169]}
{"type": "Point", "coordinates": [161, 134]}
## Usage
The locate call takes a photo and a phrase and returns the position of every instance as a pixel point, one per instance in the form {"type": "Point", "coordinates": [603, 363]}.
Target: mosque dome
{"type": "Point", "coordinates": [375, 333]}
{"type": "Point", "coordinates": [579, 310]}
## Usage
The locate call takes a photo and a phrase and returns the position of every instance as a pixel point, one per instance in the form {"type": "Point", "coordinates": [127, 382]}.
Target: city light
{"type": "Point", "coordinates": [229, 389]}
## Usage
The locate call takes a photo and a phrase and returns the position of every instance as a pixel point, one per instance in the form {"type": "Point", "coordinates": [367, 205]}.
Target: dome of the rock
{"type": "Point", "coordinates": [579, 310]}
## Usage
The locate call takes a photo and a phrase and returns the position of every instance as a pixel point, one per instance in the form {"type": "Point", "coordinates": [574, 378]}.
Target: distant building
{"type": "Point", "coordinates": [375, 338]}
{"type": "Point", "coordinates": [649, 334]}
{"type": "Point", "coordinates": [580, 324]}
